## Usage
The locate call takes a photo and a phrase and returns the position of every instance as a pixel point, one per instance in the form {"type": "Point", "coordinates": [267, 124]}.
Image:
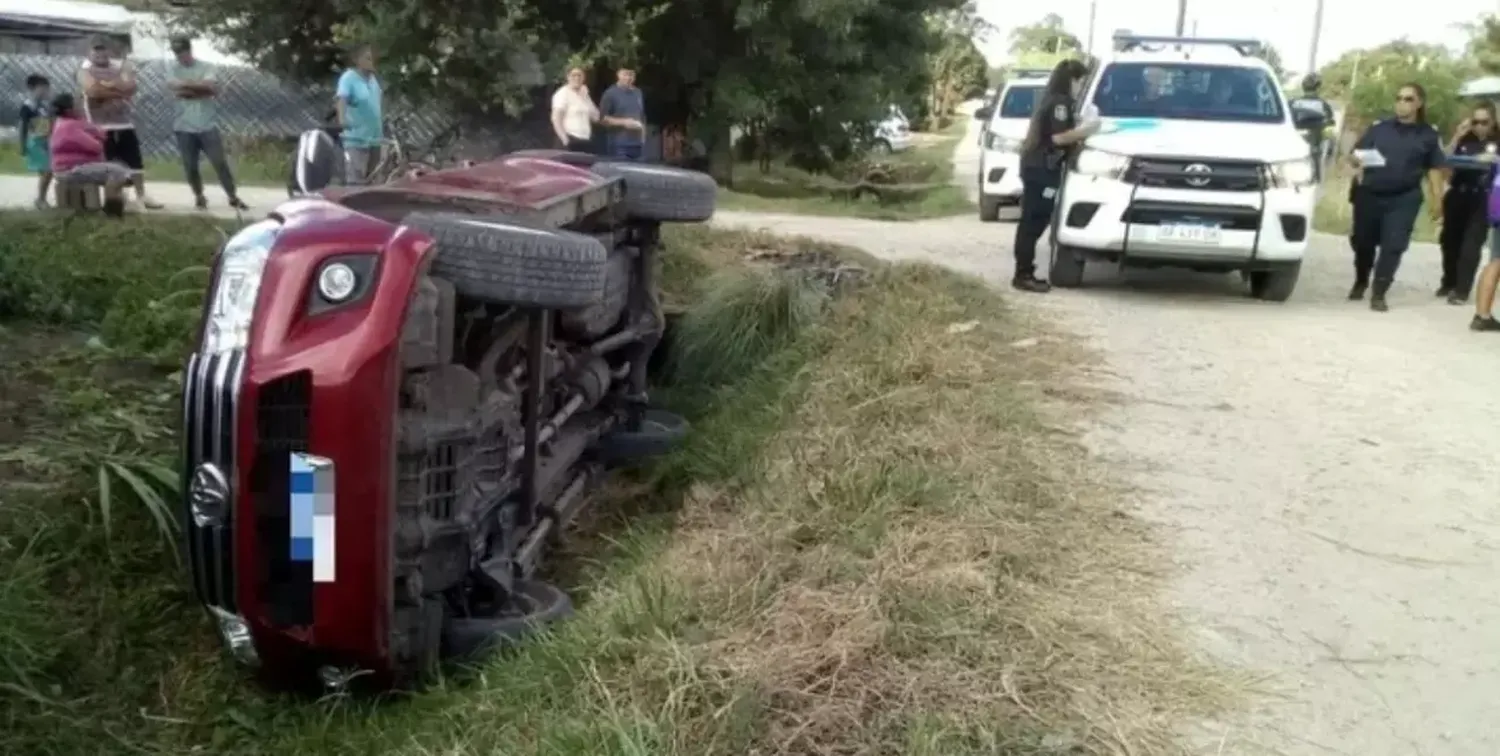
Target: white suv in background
{"type": "Point", "coordinates": [1006, 120]}
{"type": "Point", "coordinates": [1199, 163]}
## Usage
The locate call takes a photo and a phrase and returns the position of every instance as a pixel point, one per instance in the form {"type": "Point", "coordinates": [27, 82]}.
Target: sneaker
{"type": "Point", "coordinates": [151, 204]}
{"type": "Point", "coordinates": [1357, 292]}
{"type": "Point", "coordinates": [1457, 299]}
{"type": "Point", "coordinates": [1443, 291]}
{"type": "Point", "coordinates": [1031, 284]}
{"type": "Point", "coordinates": [41, 204]}
{"type": "Point", "coordinates": [1484, 323]}
{"type": "Point", "coordinates": [235, 203]}
{"type": "Point", "coordinates": [1377, 303]}
{"type": "Point", "coordinates": [200, 203]}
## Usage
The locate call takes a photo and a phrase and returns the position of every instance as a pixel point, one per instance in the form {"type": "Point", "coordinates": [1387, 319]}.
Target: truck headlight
{"type": "Point", "coordinates": [232, 307]}
{"type": "Point", "coordinates": [1293, 174]}
{"type": "Point", "coordinates": [997, 143]}
{"type": "Point", "coordinates": [1092, 162]}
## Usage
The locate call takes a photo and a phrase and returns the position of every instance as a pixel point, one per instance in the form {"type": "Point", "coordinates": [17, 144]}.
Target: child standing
{"type": "Point", "coordinates": [36, 128]}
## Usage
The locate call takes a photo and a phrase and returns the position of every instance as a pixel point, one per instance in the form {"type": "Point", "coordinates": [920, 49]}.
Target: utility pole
{"type": "Point", "coordinates": [1312, 51]}
{"type": "Point", "coordinates": [1093, 9]}
{"type": "Point", "coordinates": [1181, 16]}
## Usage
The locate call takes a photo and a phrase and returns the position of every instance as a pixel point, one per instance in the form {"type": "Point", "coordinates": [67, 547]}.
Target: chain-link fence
{"type": "Point", "coordinates": [252, 105]}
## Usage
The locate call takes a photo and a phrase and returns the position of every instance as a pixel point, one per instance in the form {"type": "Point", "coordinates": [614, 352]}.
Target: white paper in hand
{"type": "Point", "coordinates": [1370, 158]}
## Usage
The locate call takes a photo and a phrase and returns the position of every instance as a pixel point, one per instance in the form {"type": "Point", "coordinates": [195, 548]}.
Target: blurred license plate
{"type": "Point", "coordinates": [1187, 234]}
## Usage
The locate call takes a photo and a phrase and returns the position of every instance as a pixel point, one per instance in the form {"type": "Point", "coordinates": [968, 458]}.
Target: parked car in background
{"type": "Point", "coordinates": [893, 133]}
{"type": "Point", "coordinates": [1005, 124]}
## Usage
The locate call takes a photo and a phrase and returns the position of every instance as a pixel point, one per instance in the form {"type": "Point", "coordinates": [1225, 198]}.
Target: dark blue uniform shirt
{"type": "Point", "coordinates": [1410, 150]}
{"type": "Point", "coordinates": [1054, 115]}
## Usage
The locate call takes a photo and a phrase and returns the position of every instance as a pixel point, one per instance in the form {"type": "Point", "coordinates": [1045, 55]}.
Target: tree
{"type": "Point", "coordinates": [1367, 80]}
{"type": "Point", "coordinates": [1272, 57]}
{"type": "Point", "coordinates": [957, 71]}
{"type": "Point", "coordinates": [1484, 44]}
{"type": "Point", "coordinates": [1045, 36]}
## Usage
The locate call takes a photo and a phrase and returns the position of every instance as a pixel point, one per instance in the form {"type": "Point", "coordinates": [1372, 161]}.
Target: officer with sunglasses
{"type": "Point", "coordinates": [1465, 209]}
{"type": "Point", "coordinates": [1392, 158]}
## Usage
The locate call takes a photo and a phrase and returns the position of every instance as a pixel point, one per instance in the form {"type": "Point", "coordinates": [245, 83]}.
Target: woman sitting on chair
{"type": "Point", "coordinates": [78, 156]}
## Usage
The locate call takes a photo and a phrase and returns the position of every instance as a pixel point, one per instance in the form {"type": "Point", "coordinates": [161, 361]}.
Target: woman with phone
{"type": "Point", "coordinates": [1465, 222]}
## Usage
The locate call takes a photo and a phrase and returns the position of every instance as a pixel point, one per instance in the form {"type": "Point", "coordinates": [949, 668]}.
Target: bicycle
{"type": "Point", "coordinates": [394, 161]}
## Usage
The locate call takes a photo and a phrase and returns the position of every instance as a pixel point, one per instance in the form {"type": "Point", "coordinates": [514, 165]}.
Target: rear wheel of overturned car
{"type": "Point", "coordinates": [533, 605]}
{"type": "Point", "coordinates": [1067, 268]}
{"type": "Point", "coordinates": [989, 209]}
{"type": "Point", "coordinates": [663, 193]}
{"type": "Point", "coordinates": [502, 260]}
{"type": "Point", "coordinates": [1275, 285]}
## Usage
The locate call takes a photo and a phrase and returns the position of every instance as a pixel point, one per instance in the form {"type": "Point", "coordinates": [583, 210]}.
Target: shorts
{"type": "Point", "coordinates": [124, 147]}
{"type": "Point", "coordinates": [358, 162]}
{"type": "Point", "coordinates": [38, 156]}
{"type": "Point", "coordinates": [97, 174]}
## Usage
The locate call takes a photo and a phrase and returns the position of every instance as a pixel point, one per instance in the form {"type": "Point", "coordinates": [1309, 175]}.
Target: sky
{"type": "Point", "coordinates": [1285, 24]}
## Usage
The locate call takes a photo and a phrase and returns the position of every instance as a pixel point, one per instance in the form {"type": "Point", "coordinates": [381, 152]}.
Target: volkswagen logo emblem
{"type": "Point", "coordinates": [1197, 174]}
{"type": "Point", "coordinates": [208, 495]}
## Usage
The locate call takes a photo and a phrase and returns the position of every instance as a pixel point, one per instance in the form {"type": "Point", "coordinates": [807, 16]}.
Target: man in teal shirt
{"type": "Point", "coordinates": [196, 85]}
{"type": "Point", "coordinates": [358, 103]}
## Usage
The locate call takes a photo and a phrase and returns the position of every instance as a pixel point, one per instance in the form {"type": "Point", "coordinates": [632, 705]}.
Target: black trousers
{"type": "Point", "coordinates": [1038, 198]}
{"type": "Point", "coordinates": [1465, 229]}
{"type": "Point", "coordinates": [1382, 231]}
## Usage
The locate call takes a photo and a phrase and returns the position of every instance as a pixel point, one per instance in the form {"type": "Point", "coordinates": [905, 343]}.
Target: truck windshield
{"type": "Point", "coordinates": [1191, 91]}
{"type": "Point", "coordinates": [1019, 102]}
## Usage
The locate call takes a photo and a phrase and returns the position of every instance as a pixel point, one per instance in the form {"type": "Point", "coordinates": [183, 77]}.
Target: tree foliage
{"type": "Point", "coordinates": [1272, 57]}
{"type": "Point", "coordinates": [1045, 36]}
{"type": "Point", "coordinates": [1367, 80]}
{"type": "Point", "coordinates": [801, 68]}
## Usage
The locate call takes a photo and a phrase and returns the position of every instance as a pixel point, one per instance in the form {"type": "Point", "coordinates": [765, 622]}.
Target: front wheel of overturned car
{"type": "Point", "coordinates": [502, 260]}
{"type": "Point", "coordinates": [659, 433]}
{"type": "Point", "coordinates": [1067, 267]}
{"type": "Point", "coordinates": [663, 193]}
{"type": "Point", "coordinates": [533, 606]}
{"type": "Point", "coordinates": [1277, 284]}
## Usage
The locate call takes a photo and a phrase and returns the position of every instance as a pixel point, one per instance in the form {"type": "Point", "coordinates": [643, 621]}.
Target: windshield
{"type": "Point", "coordinates": [1189, 91]}
{"type": "Point", "coordinates": [1019, 102]}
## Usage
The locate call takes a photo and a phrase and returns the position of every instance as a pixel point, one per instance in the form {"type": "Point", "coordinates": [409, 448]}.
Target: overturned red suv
{"type": "Point", "coordinates": [403, 392]}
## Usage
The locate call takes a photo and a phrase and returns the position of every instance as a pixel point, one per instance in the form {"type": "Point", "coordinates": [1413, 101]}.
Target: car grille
{"type": "Point", "coordinates": [1180, 173]}
{"type": "Point", "coordinates": [210, 394]}
{"type": "Point", "coordinates": [282, 416]}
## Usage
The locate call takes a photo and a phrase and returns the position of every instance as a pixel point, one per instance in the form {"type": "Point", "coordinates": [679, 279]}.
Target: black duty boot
{"type": "Point", "coordinates": [1031, 284]}
{"type": "Point", "coordinates": [1444, 291]}
{"type": "Point", "coordinates": [1377, 297]}
{"type": "Point", "coordinates": [1357, 292]}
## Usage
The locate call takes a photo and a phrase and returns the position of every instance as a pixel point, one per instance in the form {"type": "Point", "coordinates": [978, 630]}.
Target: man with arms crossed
{"type": "Point", "coordinates": [195, 84]}
{"type": "Point", "coordinates": [108, 91]}
{"type": "Point", "coordinates": [622, 110]}
{"type": "Point", "coordinates": [358, 101]}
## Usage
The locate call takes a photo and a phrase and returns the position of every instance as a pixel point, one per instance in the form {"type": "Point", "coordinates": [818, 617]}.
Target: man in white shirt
{"type": "Point", "coordinates": [574, 114]}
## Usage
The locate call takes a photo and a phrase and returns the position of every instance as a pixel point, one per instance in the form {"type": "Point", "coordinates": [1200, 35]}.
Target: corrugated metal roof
{"type": "Point", "coordinates": [149, 34]}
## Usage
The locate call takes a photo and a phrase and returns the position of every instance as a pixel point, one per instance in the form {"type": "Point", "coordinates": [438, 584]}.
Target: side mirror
{"type": "Point", "coordinates": [984, 113]}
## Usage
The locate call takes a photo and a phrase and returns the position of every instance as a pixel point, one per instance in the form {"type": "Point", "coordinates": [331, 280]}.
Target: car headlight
{"type": "Point", "coordinates": [1091, 162]}
{"type": "Point", "coordinates": [1293, 174]}
{"type": "Point", "coordinates": [235, 634]}
{"type": "Point", "coordinates": [997, 143]}
{"type": "Point", "coordinates": [232, 307]}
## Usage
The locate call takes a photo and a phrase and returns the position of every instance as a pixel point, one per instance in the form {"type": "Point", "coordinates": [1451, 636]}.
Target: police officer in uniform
{"type": "Point", "coordinates": [1043, 153]}
{"type": "Point", "coordinates": [1319, 140]}
{"type": "Point", "coordinates": [1465, 207]}
{"type": "Point", "coordinates": [1387, 197]}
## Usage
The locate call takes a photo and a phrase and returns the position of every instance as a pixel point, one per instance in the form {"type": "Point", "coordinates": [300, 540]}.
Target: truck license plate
{"type": "Point", "coordinates": [1188, 234]}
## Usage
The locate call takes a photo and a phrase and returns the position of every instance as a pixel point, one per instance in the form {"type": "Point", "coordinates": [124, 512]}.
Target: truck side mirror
{"type": "Point", "coordinates": [983, 114]}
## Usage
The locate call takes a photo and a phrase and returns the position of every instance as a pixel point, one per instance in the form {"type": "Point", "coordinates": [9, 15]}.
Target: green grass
{"type": "Point", "coordinates": [784, 189]}
{"type": "Point", "coordinates": [253, 164]}
{"type": "Point", "coordinates": [867, 546]}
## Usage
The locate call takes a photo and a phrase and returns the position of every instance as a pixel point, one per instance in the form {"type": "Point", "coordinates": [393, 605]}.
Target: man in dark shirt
{"type": "Point", "coordinates": [1393, 157]}
{"type": "Point", "coordinates": [622, 110]}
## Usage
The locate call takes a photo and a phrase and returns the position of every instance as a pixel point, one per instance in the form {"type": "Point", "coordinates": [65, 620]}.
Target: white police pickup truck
{"type": "Point", "coordinates": [1199, 163]}
{"type": "Point", "coordinates": [1006, 119]}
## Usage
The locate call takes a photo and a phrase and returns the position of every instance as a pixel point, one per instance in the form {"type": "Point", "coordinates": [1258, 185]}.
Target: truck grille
{"type": "Point", "coordinates": [1187, 173]}
{"type": "Point", "coordinates": [210, 395]}
{"type": "Point", "coordinates": [283, 412]}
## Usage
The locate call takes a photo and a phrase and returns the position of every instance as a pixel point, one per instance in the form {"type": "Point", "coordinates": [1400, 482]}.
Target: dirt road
{"type": "Point", "coordinates": [1327, 473]}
